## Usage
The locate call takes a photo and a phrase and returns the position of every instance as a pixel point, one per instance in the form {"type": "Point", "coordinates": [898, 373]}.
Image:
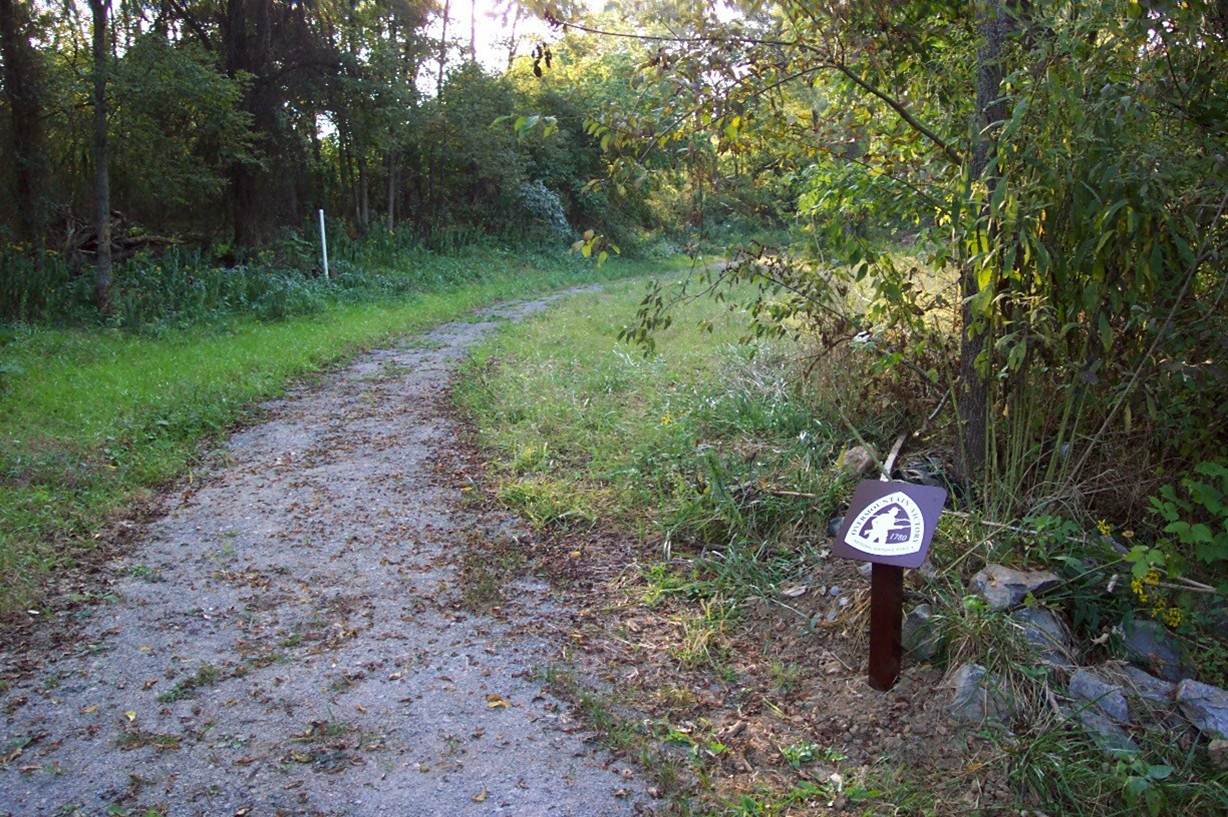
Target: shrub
{"type": "Point", "coordinates": [541, 207]}
{"type": "Point", "coordinates": [1197, 517]}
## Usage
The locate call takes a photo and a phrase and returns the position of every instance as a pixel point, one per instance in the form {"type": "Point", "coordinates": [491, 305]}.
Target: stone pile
{"type": "Point", "coordinates": [1153, 688]}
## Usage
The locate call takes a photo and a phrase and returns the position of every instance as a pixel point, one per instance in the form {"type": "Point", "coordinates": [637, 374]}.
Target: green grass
{"type": "Point", "coordinates": [93, 416]}
{"type": "Point", "coordinates": [703, 447]}
{"type": "Point", "coordinates": [686, 445]}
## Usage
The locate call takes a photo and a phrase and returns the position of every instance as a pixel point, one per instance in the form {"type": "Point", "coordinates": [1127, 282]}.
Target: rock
{"type": "Point", "coordinates": [1046, 634]}
{"type": "Point", "coordinates": [834, 524]}
{"type": "Point", "coordinates": [927, 570]}
{"type": "Point", "coordinates": [1098, 693]}
{"type": "Point", "coordinates": [858, 461]}
{"type": "Point", "coordinates": [923, 471]}
{"type": "Point", "coordinates": [1205, 706]}
{"type": "Point", "coordinates": [866, 569]}
{"type": "Point", "coordinates": [1109, 736]}
{"type": "Point", "coordinates": [1005, 587]}
{"type": "Point", "coordinates": [920, 636]}
{"type": "Point", "coordinates": [978, 696]}
{"type": "Point", "coordinates": [1218, 752]}
{"type": "Point", "coordinates": [1148, 687]}
{"type": "Point", "coordinates": [1148, 645]}
{"type": "Point", "coordinates": [1150, 698]}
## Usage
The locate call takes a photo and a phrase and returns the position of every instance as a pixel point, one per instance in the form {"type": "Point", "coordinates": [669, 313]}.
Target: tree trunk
{"type": "Point", "coordinates": [995, 25]}
{"type": "Point", "coordinates": [102, 177]}
{"type": "Point", "coordinates": [247, 31]}
{"type": "Point", "coordinates": [364, 194]}
{"type": "Point", "coordinates": [473, 30]}
{"type": "Point", "coordinates": [511, 40]}
{"type": "Point", "coordinates": [443, 46]}
{"type": "Point", "coordinates": [392, 191]}
{"type": "Point", "coordinates": [23, 88]}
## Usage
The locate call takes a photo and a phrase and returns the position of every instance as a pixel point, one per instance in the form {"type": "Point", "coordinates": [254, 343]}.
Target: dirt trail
{"type": "Point", "coordinates": [287, 637]}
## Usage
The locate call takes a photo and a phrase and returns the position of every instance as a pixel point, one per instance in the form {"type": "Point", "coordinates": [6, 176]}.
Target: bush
{"type": "Point", "coordinates": [542, 209]}
{"type": "Point", "coordinates": [182, 287]}
{"type": "Point", "coordinates": [1197, 518]}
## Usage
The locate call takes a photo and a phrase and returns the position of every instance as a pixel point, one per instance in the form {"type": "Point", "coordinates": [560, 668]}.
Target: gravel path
{"type": "Point", "coordinates": [287, 638]}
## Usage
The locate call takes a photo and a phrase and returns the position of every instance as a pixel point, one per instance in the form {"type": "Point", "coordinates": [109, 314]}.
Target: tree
{"type": "Point", "coordinates": [1056, 169]}
{"type": "Point", "coordinates": [995, 22]}
{"type": "Point", "coordinates": [177, 126]}
{"type": "Point", "coordinates": [102, 179]}
{"type": "Point", "coordinates": [23, 88]}
{"type": "Point", "coordinates": [473, 30]}
{"type": "Point", "coordinates": [443, 46]}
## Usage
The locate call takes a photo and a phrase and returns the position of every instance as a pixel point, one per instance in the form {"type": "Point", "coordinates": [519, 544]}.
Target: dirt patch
{"type": "Point", "coordinates": [291, 635]}
{"type": "Point", "coordinates": [755, 703]}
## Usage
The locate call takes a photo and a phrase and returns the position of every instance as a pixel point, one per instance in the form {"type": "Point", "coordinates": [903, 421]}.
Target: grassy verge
{"type": "Point", "coordinates": [92, 416]}
{"type": "Point", "coordinates": [588, 426]}
{"type": "Point", "coordinates": [711, 443]}
{"type": "Point", "coordinates": [745, 640]}
{"type": "Point", "coordinates": [691, 450]}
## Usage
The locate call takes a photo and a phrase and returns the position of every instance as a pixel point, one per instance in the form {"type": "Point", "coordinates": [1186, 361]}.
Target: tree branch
{"type": "Point", "coordinates": [825, 62]}
{"type": "Point", "coordinates": [900, 110]}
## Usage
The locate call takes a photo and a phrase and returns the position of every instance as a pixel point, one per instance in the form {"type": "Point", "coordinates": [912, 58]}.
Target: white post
{"type": "Point", "coordinates": [323, 244]}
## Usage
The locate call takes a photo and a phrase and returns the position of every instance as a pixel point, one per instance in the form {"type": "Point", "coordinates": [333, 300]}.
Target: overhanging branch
{"type": "Point", "coordinates": [826, 62]}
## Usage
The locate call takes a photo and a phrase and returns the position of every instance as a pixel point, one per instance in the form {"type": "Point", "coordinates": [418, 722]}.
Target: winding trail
{"type": "Point", "coordinates": [287, 638]}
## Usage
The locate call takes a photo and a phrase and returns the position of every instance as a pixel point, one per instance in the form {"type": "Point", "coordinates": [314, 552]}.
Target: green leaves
{"type": "Point", "coordinates": [590, 242]}
{"type": "Point", "coordinates": [1143, 786]}
{"type": "Point", "coordinates": [530, 125]}
{"type": "Point", "coordinates": [1143, 558]}
{"type": "Point", "coordinates": [178, 124]}
{"type": "Point", "coordinates": [1197, 516]}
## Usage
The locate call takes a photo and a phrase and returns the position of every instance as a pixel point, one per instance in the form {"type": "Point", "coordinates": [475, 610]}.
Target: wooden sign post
{"type": "Point", "coordinates": [886, 624]}
{"type": "Point", "coordinates": [890, 524]}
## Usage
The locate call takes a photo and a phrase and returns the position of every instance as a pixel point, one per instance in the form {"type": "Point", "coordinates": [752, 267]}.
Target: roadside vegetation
{"type": "Point", "coordinates": [717, 464]}
{"type": "Point", "coordinates": [160, 254]}
{"type": "Point", "coordinates": [95, 417]}
{"type": "Point", "coordinates": [1005, 253]}
{"type": "Point", "coordinates": [990, 235]}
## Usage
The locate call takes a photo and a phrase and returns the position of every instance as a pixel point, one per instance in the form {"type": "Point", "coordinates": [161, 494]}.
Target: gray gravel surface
{"type": "Point", "coordinates": [287, 638]}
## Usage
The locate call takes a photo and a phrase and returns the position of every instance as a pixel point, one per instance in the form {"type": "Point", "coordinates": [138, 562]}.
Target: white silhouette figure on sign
{"type": "Point", "coordinates": [890, 526]}
{"type": "Point", "coordinates": [882, 525]}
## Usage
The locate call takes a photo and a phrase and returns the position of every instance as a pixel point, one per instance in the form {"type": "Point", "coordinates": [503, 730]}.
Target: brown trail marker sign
{"type": "Point", "coordinates": [890, 524]}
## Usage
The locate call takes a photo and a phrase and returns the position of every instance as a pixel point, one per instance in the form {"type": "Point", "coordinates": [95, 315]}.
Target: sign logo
{"type": "Point", "coordinates": [892, 525]}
